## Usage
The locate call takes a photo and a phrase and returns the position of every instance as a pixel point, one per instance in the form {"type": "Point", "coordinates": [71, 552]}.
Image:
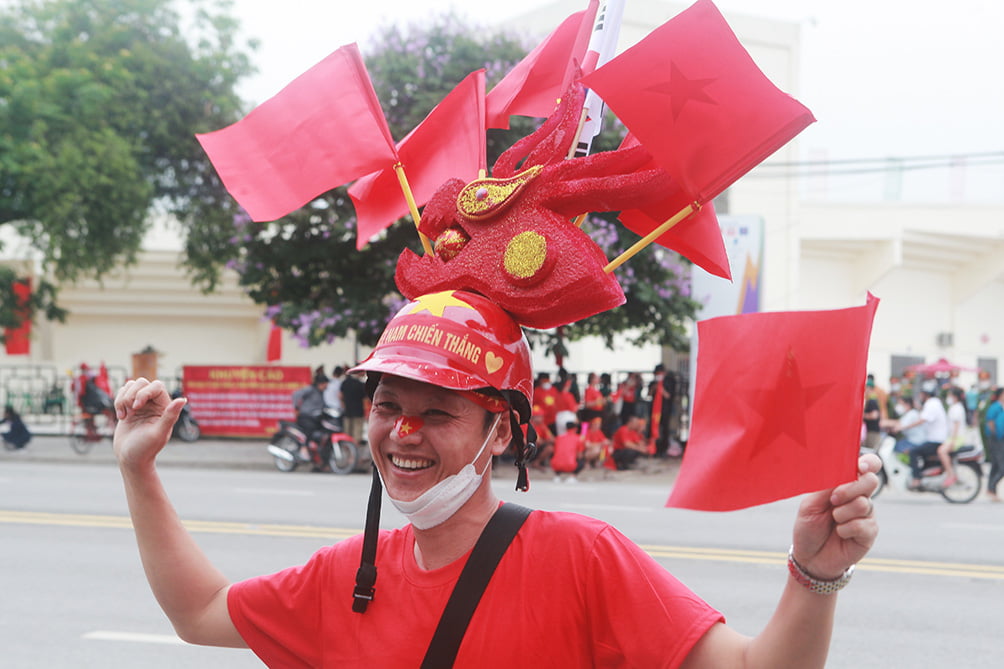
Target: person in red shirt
{"type": "Point", "coordinates": [597, 444]}
{"type": "Point", "coordinates": [629, 442]}
{"type": "Point", "coordinates": [545, 440]}
{"type": "Point", "coordinates": [568, 407]}
{"type": "Point", "coordinates": [568, 454]}
{"type": "Point", "coordinates": [438, 418]}
{"type": "Point", "coordinates": [545, 395]}
{"type": "Point", "coordinates": [593, 401]}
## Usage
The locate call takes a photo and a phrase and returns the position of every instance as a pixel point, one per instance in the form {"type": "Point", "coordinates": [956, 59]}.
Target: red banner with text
{"type": "Point", "coordinates": [242, 400]}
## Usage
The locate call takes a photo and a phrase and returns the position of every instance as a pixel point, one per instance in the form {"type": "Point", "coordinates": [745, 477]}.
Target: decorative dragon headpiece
{"type": "Point", "coordinates": [512, 238]}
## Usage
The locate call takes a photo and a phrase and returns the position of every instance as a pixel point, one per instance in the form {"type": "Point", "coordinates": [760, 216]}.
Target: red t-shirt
{"type": "Point", "coordinates": [624, 435]}
{"type": "Point", "coordinates": [566, 452]}
{"type": "Point", "coordinates": [547, 400]}
{"type": "Point", "coordinates": [570, 592]}
{"type": "Point", "coordinates": [593, 398]}
{"type": "Point", "coordinates": [543, 433]}
{"type": "Point", "coordinates": [567, 401]}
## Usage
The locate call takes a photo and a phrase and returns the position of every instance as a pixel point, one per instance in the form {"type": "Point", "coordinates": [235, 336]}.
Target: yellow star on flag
{"type": "Point", "coordinates": [435, 303]}
{"type": "Point", "coordinates": [408, 424]}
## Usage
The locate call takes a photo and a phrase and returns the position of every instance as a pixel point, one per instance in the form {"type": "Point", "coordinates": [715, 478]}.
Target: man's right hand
{"type": "Point", "coordinates": [146, 415]}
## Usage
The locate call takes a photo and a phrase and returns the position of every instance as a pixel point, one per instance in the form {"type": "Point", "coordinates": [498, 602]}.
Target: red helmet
{"type": "Point", "coordinates": [457, 340]}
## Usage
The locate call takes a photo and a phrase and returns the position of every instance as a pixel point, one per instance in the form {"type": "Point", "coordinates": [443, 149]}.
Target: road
{"type": "Point", "coordinates": [931, 594]}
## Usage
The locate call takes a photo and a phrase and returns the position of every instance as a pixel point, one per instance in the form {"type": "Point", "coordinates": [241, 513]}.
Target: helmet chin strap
{"type": "Point", "coordinates": [525, 451]}
{"type": "Point", "coordinates": [367, 573]}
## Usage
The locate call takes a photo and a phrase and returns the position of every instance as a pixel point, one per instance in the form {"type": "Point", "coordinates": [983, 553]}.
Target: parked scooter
{"type": "Point", "coordinates": [967, 461]}
{"type": "Point", "coordinates": [329, 447]}
{"type": "Point", "coordinates": [186, 427]}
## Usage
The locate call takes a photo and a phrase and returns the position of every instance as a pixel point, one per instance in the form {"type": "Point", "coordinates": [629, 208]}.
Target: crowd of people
{"type": "Point", "coordinates": [602, 425]}
{"type": "Point", "coordinates": [937, 418]}
{"type": "Point", "coordinates": [599, 425]}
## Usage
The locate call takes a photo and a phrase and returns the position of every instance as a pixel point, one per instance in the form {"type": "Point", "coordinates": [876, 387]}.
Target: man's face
{"type": "Point", "coordinates": [420, 434]}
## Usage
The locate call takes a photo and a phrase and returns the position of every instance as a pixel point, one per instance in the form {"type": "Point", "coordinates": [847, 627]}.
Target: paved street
{"type": "Point", "coordinates": [75, 595]}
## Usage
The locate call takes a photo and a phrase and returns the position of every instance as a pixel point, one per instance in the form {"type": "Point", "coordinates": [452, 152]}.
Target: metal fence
{"type": "Point", "coordinates": [44, 394]}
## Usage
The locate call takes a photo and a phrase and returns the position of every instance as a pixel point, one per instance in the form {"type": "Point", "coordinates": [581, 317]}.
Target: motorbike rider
{"type": "Point", "coordinates": [957, 421]}
{"type": "Point", "coordinates": [935, 421]}
{"type": "Point", "coordinates": [908, 426]}
{"type": "Point", "coordinates": [309, 404]}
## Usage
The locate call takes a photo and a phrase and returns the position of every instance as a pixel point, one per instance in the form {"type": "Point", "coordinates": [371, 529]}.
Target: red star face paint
{"type": "Point", "coordinates": [406, 425]}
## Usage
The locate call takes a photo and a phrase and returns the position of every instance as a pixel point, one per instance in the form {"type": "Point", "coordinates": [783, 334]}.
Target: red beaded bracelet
{"type": "Point", "coordinates": [816, 585]}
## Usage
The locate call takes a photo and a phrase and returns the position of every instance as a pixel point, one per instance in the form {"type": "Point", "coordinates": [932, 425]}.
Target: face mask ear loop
{"type": "Point", "coordinates": [498, 417]}
{"type": "Point", "coordinates": [367, 573]}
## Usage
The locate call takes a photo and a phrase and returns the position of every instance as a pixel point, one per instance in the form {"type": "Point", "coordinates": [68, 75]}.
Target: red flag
{"type": "Point", "coordinates": [655, 424]}
{"type": "Point", "coordinates": [18, 340]}
{"type": "Point", "coordinates": [777, 406]}
{"type": "Point", "coordinates": [101, 379]}
{"type": "Point", "coordinates": [696, 100]}
{"type": "Point", "coordinates": [427, 159]}
{"type": "Point", "coordinates": [533, 86]}
{"type": "Point", "coordinates": [324, 129]}
{"type": "Point", "coordinates": [698, 237]}
{"type": "Point", "coordinates": [273, 351]}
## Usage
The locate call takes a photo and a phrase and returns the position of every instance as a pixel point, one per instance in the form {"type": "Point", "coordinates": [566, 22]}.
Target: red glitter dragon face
{"type": "Point", "coordinates": [511, 237]}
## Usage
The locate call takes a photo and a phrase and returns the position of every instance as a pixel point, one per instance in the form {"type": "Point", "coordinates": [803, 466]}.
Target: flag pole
{"type": "Point", "coordinates": [651, 237]}
{"type": "Point", "coordinates": [572, 149]}
{"type": "Point", "coordinates": [412, 207]}
{"type": "Point", "coordinates": [601, 48]}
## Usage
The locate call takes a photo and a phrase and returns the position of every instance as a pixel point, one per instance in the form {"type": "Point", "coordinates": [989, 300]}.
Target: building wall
{"type": "Point", "coordinates": [153, 304]}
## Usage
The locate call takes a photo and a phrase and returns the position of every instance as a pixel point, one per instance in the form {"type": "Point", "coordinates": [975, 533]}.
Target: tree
{"type": "Point", "coordinates": [99, 105]}
{"type": "Point", "coordinates": [306, 271]}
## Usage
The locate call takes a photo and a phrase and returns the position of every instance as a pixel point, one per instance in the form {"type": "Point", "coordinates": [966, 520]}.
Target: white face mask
{"type": "Point", "coordinates": [441, 501]}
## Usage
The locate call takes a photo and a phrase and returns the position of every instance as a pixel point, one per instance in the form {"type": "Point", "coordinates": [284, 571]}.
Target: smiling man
{"type": "Point", "coordinates": [451, 387]}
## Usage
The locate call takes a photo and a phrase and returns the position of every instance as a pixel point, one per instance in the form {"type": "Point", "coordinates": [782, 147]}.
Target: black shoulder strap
{"type": "Point", "coordinates": [485, 556]}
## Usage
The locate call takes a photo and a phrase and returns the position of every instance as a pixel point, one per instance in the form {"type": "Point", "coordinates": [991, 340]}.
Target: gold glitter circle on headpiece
{"type": "Point", "coordinates": [525, 254]}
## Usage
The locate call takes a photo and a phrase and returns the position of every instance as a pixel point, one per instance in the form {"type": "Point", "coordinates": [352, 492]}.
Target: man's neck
{"type": "Point", "coordinates": [438, 546]}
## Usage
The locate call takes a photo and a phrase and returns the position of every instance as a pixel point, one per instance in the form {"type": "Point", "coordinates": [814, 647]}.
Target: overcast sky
{"type": "Point", "coordinates": [883, 77]}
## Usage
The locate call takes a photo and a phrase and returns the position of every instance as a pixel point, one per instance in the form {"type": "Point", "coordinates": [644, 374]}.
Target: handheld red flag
{"type": "Point", "coordinates": [695, 99]}
{"type": "Point", "coordinates": [533, 86]}
{"type": "Point", "coordinates": [449, 143]}
{"type": "Point", "coordinates": [324, 129]}
{"type": "Point", "coordinates": [17, 341]}
{"type": "Point", "coordinates": [273, 349]}
{"type": "Point", "coordinates": [777, 407]}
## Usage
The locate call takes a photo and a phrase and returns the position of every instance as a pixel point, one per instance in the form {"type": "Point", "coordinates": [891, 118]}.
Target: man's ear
{"type": "Point", "coordinates": [503, 434]}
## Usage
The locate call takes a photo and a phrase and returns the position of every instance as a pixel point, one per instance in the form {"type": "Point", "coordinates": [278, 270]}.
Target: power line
{"type": "Point", "coordinates": [899, 159]}
{"type": "Point", "coordinates": [877, 165]}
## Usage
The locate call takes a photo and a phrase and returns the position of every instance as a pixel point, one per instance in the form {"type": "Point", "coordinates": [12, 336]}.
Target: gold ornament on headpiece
{"type": "Point", "coordinates": [483, 198]}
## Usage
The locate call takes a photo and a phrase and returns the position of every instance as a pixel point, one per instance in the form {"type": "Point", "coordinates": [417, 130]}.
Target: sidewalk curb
{"type": "Point", "coordinates": [251, 454]}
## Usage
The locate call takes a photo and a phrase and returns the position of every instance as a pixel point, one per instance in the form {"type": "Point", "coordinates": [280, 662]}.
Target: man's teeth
{"type": "Point", "coordinates": [410, 463]}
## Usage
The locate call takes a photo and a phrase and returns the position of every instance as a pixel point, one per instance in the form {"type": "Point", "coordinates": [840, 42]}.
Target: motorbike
{"type": "Point", "coordinates": [328, 447]}
{"type": "Point", "coordinates": [895, 472]}
{"type": "Point", "coordinates": [186, 427]}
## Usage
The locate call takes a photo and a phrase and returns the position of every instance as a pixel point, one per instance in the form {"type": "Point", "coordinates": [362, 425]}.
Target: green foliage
{"type": "Point", "coordinates": [305, 269]}
{"type": "Point", "coordinates": [99, 104]}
